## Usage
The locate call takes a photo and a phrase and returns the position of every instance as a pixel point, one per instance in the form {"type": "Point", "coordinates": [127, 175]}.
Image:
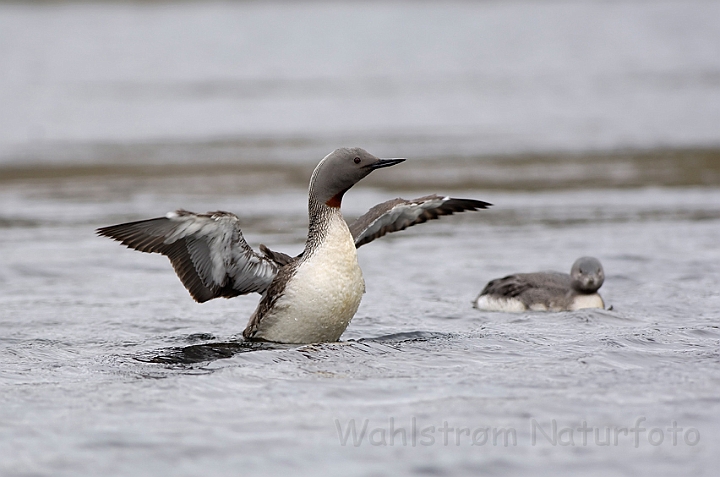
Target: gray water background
{"type": "Point", "coordinates": [591, 126]}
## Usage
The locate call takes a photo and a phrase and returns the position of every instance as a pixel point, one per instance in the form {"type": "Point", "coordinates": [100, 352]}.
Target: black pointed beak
{"type": "Point", "coordinates": [380, 163]}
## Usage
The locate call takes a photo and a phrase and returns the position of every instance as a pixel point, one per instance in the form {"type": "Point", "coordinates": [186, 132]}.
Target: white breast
{"type": "Point", "coordinates": [322, 297]}
{"type": "Point", "coordinates": [587, 301]}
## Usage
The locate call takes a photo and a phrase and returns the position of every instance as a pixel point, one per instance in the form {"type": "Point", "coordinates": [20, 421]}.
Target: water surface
{"type": "Point", "coordinates": [591, 126]}
{"type": "Point", "coordinates": [110, 367]}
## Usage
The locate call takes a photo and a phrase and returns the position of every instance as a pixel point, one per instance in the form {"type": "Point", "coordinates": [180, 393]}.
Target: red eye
{"type": "Point", "coordinates": [357, 160]}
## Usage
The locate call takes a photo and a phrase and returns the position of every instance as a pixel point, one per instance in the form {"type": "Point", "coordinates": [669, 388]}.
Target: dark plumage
{"type": "Point", "coordinates": [207, 251]}
{"type": "Point", "coordinates": [399, 214]}
{"type": "Point", "coordinates": [546, 291]}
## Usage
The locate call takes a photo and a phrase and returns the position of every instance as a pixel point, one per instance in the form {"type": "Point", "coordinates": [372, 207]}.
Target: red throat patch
{"type": "Point", "coordinates": [335, 200]}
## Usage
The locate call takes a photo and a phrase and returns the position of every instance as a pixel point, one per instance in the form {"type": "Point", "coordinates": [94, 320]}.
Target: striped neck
{"type": "Point", "coordinates": [319, 214]}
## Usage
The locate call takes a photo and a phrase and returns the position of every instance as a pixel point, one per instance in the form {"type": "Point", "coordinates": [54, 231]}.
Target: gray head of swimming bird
{"type": "Point", "coordinates": [587, 275]}
{"type": "Point", "coordinates": [342, 169]}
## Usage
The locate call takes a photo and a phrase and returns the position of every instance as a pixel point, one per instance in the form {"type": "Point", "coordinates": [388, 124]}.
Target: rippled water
{"type": "Point", "coordinates": [113, 112]}
{"type": "Point", "coordinates": [108, 366]}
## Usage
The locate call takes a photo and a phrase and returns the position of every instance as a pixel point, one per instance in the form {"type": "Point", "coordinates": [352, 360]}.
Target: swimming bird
{"type": "Point", "coordinates": [305, 299]}
{"type": "Point", "coordinates": [546, 291]}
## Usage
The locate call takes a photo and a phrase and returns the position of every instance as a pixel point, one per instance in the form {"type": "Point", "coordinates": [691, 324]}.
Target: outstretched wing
{"type": "Point", "coordinates": [399, 214]}
{"type": "Point", "coordinates": [207, 251]}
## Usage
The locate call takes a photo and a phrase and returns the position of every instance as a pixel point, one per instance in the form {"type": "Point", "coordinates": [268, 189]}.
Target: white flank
{"type": "Point", "coordinates": [489, 303]}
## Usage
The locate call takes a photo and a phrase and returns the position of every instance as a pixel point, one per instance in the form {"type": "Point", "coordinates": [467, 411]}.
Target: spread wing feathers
{"type": "Point", "coordinates": [515, 285]}
{"type": "Point", "coordinates": [207, 251]}
{"type": "Point", "coordinates": [399, 214]}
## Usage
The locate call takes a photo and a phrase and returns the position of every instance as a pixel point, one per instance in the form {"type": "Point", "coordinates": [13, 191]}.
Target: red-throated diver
{"type": "Point", "coordinates": [305, 299]}
{"type": "Point", "coordinates": [546, 291]}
